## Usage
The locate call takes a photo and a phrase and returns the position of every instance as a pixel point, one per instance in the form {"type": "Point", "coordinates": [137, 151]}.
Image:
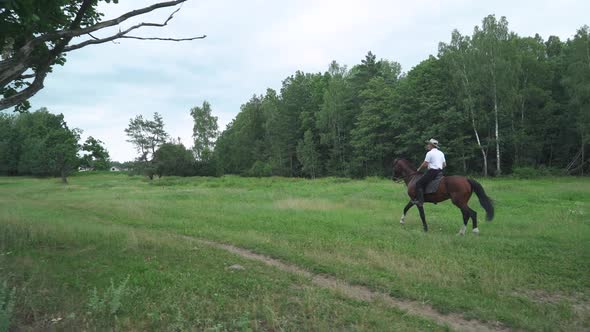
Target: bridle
{"type": "Point", "coordinates": [403, 178]}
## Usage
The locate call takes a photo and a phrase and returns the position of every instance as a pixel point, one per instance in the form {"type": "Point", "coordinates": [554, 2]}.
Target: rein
{"type": "Point", "coordinates": [403, 178]}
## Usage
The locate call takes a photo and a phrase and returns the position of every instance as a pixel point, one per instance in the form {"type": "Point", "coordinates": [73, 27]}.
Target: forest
{"type": "Point", "coordinates": [496, 101]}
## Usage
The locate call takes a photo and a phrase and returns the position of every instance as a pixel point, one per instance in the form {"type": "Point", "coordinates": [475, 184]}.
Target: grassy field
{"type": "Point", "coordinates": [110, 251]}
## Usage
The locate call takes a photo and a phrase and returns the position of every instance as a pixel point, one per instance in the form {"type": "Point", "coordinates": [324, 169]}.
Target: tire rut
{"type": "Point", "coordinates": [362, 293]}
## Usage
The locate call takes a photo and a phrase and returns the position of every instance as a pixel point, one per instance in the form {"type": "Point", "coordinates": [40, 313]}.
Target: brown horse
{"type": "Point", "coordinates": [457, 188]}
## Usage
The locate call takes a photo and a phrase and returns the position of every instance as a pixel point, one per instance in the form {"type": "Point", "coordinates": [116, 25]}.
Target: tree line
{"type": "Point", "coordinates": [495, 100]}
{"type": "Point", "coordinates": [41, 144]}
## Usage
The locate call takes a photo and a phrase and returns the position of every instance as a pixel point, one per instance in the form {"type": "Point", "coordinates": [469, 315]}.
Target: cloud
{"type": "Point", "coordinates": [252, 45]}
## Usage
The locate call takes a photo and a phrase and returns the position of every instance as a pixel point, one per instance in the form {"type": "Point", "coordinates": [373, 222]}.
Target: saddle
{"type": "Point", "coordinates": [432, 186]}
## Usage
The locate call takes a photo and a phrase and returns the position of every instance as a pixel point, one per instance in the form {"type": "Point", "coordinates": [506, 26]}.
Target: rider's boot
{"type": "Point", "coordinates": [419, 197]}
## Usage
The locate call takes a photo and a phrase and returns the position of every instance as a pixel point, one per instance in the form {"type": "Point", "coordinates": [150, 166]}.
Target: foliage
{"type": "Point", "coordinates": [110, 302]}
{"type": "Point", "coordinates": [308, 155]}
{"type": "Point", "coordinates": [495, 100]}
{"type": "Point", "coordinates": [97, 156]}
{"type": "Point", "coordinates": [528, 172]}
{"type": "Point", "coordinates": [147, 136]}
{"type": "Point", "coordinates": [204, 132]}
{"type": "Point", "coordinates": [38, 143]}
{"type": "Point", "coordinates": [174, 159]}
{"type": "Point", "coordinates": [259, 169]}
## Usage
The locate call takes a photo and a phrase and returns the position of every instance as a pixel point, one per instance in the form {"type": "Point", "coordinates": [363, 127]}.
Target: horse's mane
{"type": "Point", "coordinates": [404, 163]}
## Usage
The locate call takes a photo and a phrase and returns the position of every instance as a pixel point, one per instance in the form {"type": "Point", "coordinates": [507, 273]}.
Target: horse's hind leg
{"type": "Point", "coordinates": [403, 218]}
{"type": "Point", "coordinates": [465, 211]}
{"type": "Point", "coordinates": [466, 216]}
{"type": "Point", "coordinates": [474, 220]}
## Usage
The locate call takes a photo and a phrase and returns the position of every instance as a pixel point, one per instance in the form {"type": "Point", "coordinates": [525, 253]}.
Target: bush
{"type": "Point", "coordinates": [259, 169]}
{"type": "Point", "coordinates": [105, 307]}
{"type": "Point", "coordinates": [527, 172]}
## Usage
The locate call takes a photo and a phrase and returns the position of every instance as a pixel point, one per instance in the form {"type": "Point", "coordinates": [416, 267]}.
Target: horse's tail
{"type": "Point", "coordinates": [484, 200]}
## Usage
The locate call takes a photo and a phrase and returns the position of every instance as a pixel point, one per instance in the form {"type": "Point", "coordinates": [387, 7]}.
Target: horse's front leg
{"type": "Point", "coordinates": [423, 217]}
{"type": "Point", "coordinates": [403, 218]}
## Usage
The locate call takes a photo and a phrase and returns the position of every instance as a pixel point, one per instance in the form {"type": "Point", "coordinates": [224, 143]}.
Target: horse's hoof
{"type": "Point", "coordinates": [402, 221]}
{"type": "Point", "coordinates": [475, 231]}
{"type": "Point", "coordinates": [462, 231]}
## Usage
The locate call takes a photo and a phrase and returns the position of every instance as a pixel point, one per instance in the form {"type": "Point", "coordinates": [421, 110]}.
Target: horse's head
{"type": "Point", "coordinates": [401, 169]}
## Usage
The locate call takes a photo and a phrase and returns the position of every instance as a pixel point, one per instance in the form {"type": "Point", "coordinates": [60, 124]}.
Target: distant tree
{"type": "Point", "coordinates": [491, 42]}
{"type": "Point", "coordinates": [37, 35]}
{"type": "Point", "coordinates": [46, 146]}
{"type": "Point", "coordinates": [462, 66]}
{"type": "Point", "coordinates": [242, 143]}
{"type": "Point", "coordinates": [335, 121]}
{"type": "Point", "coordinates": [97, 156]}
{"type": "Point", "coordinates": [274, 137]}
{"type": "Point", "coordinates": [577, 83]}
{"type": "Point", "coordinates": [8, 146]}
{"type": "Point", "coordinates": [62, 150]}
{"type": "Point", "coordinates": [308, 155]}
{"type": "Point", "coordinates": [371, 135]}
{"type": "Point", "coordinates": [205, 131]}
{"type": "Point", "coordinates": [174, 159]}
{"type": "Point", "coordinates": [146, 135]}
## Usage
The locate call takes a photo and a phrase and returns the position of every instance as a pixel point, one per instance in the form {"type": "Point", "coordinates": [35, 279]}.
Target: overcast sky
{"type": "Point", "coordinates": [253, 45]}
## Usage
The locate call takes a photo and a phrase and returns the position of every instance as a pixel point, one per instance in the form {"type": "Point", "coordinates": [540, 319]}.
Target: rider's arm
{"type": "Point", "coordinates": [424, 165]}
{"type": "Point", "coordinates": [445, 164]}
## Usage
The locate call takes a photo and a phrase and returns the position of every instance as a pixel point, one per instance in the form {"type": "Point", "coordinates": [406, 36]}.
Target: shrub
{"type": "Point", "coordinates": [527, 172]}
{"type": "Point", "coordinates": [106, 306]}
{"type": "Point", "coordinates": [259, 169]}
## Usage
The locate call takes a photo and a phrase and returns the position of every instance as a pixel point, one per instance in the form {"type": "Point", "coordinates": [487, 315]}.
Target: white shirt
{"type": "Point", "coordinates": [435, 159]}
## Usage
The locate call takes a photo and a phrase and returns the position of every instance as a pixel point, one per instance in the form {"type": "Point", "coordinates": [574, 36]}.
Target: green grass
{"type": "Point", "coordinates": [529, 268]}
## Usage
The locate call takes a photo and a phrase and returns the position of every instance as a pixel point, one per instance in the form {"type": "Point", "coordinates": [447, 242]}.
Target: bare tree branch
{"type": "Point", "coordinates": [28, 47]}
{"type": "Point", "coordinates": [165, 39]}
{"type": "Point", "coordinates": [14, 67]}
{"type": "Point", "coordinates": [113, 22]}
{"type": "Point", "coordinates": [123, 34]}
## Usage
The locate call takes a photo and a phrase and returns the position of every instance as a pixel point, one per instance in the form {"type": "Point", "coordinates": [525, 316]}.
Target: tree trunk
{"type": "Point", "coordinates": [472, 114]}
{"type": "Point", "coordinates": [496, 131]}
{"type": "Point", "coordinates": [64, 176]}
{"type": "Point", "coordinates": [514, 138]}
{"type": "Point", "coordinates": [464, 162]}
{"type": "Point", "coordinates": [522, 127]}
{"type": "Point", "coordinates": [483, 152]}
{"type": "Point", "coordinates": [583, 155]}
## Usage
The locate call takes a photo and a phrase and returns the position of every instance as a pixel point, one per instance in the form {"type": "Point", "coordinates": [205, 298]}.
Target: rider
{"type": "Point", "coordinates": [435, 161]}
